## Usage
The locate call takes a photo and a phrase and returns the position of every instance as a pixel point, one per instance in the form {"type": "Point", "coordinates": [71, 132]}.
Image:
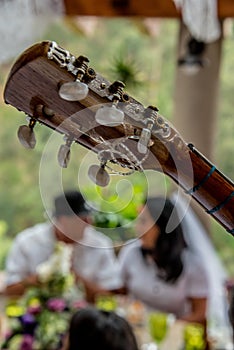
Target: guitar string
{"type": "Point", "coordinates": [129, 156]}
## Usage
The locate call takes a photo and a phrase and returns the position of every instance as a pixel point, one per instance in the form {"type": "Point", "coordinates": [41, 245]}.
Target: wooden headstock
{"type": "Point", "coordinates": [33, 87]}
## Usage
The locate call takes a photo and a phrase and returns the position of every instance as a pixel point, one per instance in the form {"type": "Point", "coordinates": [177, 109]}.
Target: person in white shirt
{"type": "Point", "coordinates": [159, 269]}
{"type": "Point", "coordinates": [93, 258]}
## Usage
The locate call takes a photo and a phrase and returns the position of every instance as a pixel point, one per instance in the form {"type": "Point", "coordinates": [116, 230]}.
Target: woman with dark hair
{"type": "Point", "coordinates": [159, 269]}
{"type": "Point", "coordinates": [91, 329]}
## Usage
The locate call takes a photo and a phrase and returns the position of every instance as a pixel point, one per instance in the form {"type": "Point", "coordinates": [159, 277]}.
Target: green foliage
{"type": "Point", "coordinates": [5, 243]}
{"type": "Point", "coordinates": [3, 228]}
{"type": "Point", "coordinates": [225, 125]}
{"type": "Point", "coordinates": [115, 206]}
{"type": "Point", "coordinates": [18, 175]}
{"type": "Point", "coordinates": [125, 69]}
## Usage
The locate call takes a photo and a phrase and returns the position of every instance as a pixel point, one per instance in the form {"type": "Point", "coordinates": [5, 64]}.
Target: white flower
{"type": "Point", "coordinates": [59, 262]}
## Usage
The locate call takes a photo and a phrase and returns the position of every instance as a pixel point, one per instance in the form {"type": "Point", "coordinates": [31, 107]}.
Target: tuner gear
{"type": "Point", "coordinates": [76, 90]}
{"type": "Point", "coordinates": [150, 114]}
{"type": "Point", "coordinates": [111, 115]}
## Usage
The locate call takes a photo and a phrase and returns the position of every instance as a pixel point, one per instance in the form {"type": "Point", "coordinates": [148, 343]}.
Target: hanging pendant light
{"type": "Point", "coordinates": [193, 60]}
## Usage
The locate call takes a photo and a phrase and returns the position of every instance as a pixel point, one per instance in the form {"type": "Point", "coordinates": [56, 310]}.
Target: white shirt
{"type": "Point", "coordinates": [140, 276]}
{"type": "Point", "coordinates": [94, 257]}
{"type": "Point", "coordinates": [199, 241]}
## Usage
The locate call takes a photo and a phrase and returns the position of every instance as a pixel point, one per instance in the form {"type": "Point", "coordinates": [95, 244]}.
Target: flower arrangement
{"type": "Point", "coordinates": [39, 319]}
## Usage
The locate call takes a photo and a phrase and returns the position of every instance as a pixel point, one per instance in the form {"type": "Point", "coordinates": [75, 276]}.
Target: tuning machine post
{"type": "Point", "coordinates": [78, 90]}
{"type": "Point", "coordinates": [144, 139]}
{"type": "Point", "coordinates": [155, 123]}
{"type": "Point", "coordinates": [111, 115]}
{"type": "Point", "coordinates": [26, 133]}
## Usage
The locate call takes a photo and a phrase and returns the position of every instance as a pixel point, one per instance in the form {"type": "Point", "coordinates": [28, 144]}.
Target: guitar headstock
{"type": "Point", "coordinates": [53, 87]}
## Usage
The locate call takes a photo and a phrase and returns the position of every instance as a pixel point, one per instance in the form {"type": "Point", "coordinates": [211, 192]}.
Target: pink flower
{"type": "Point", "coordinates": [79, 304]}
{"type": "Point", "coordinates": [56, 304]}
{"type": "Point", "coordinates": [8, 334]}
{"type": "Point", "coordinates": [27, 342]}
{"type": "Point", "coordinates": [34, 310]}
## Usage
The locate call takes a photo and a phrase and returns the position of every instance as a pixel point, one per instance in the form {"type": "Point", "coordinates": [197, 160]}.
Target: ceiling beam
{"type": "Point", "coordinates": [111, 8]}
{"type": "Point", "coordinates": [145, 8]}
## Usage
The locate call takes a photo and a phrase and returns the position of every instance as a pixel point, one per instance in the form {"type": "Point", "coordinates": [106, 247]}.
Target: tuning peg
{"type": "Point", "coordinates": [111, 115]}
{"type": "Point", "coordinates": [26, 134]}
{"type": "Point", "coordinates": [116, 88]}
{"type": "Point", "coordinates": [143, 143]}
{"type": "Point", "coordinates": [64, 153]}
{"type": "Point", "coordinates": [73, 91]}
{"type": "Point", "coordinates": [76, 90]}
{"type": "Point", "coordinates": [99, 175]}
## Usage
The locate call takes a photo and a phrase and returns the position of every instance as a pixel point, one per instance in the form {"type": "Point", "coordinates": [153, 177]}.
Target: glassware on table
{"type": "Point", "coordinates": [194, 337]}
{"type": "Point", "coordinates": [136, 313]}
{"type": "Point", "coordinates": [220, 336]}
{"type": "Point", "coordinates": [158, 326]}
{"type": "Point", "coordinates": [149, 346]}
{"type": "Point", "coordinates": [106, 302]}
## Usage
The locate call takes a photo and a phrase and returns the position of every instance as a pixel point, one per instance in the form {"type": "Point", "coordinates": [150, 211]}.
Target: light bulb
{"type": "Point", "coordinates": [109, 116]}
{"type": "Point", "coordinates": [73, 91]}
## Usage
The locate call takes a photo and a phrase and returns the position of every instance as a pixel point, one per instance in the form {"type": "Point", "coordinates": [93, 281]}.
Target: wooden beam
{"type": "Point", "coordinates": [225, 8]}
{"type": "Point", "coordinates": [144, 8]}
{"type": "Point", "coordinates": [111, 8]}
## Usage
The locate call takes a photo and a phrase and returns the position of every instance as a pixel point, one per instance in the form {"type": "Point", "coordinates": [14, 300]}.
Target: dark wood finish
{"type": "Point", "coordinates": [146, 8]}
{"type": "Point", "coordinates": [225, 8]}
{"type": "Point", "coordinates": [109, 8]}
{"type": "Point", "coordinates": [33, 83]}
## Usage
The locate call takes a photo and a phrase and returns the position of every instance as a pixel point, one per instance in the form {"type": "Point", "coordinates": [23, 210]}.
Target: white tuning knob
{"type": "Point", "coordinates": [142, 144]}
{"type": "Point", "coordinates": [109, 116]}
{"type": "Point", "coordinates": [64, 153]}
{"type": "Point", "coordinates": [73, 91]}
{"type": "Point", "coordinates": [99, 175]}
{"type": "Point", "coordinates": [26, 136]}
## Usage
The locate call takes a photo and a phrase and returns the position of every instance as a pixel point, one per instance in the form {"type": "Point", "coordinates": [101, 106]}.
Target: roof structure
{"type": "Point", "coordinates": [145, 8]}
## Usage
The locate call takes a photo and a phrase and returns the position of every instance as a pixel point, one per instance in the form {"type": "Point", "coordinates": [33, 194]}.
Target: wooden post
{"type": "Point", "coordinates": [195, 98]}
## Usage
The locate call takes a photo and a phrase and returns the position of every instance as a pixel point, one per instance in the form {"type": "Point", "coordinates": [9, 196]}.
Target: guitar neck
{"type": "Point", "coordinates": [210, 188]}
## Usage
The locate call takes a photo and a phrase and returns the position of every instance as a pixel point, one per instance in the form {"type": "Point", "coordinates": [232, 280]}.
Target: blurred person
{"type": "Point", "coordinates": [91, 328]}
{"type": "Point", "coordinates": [199, 242]}
{"type": "Point", "coordinates": [159, 269]}
{"type": "Point", "coordinates": [93, 258]}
